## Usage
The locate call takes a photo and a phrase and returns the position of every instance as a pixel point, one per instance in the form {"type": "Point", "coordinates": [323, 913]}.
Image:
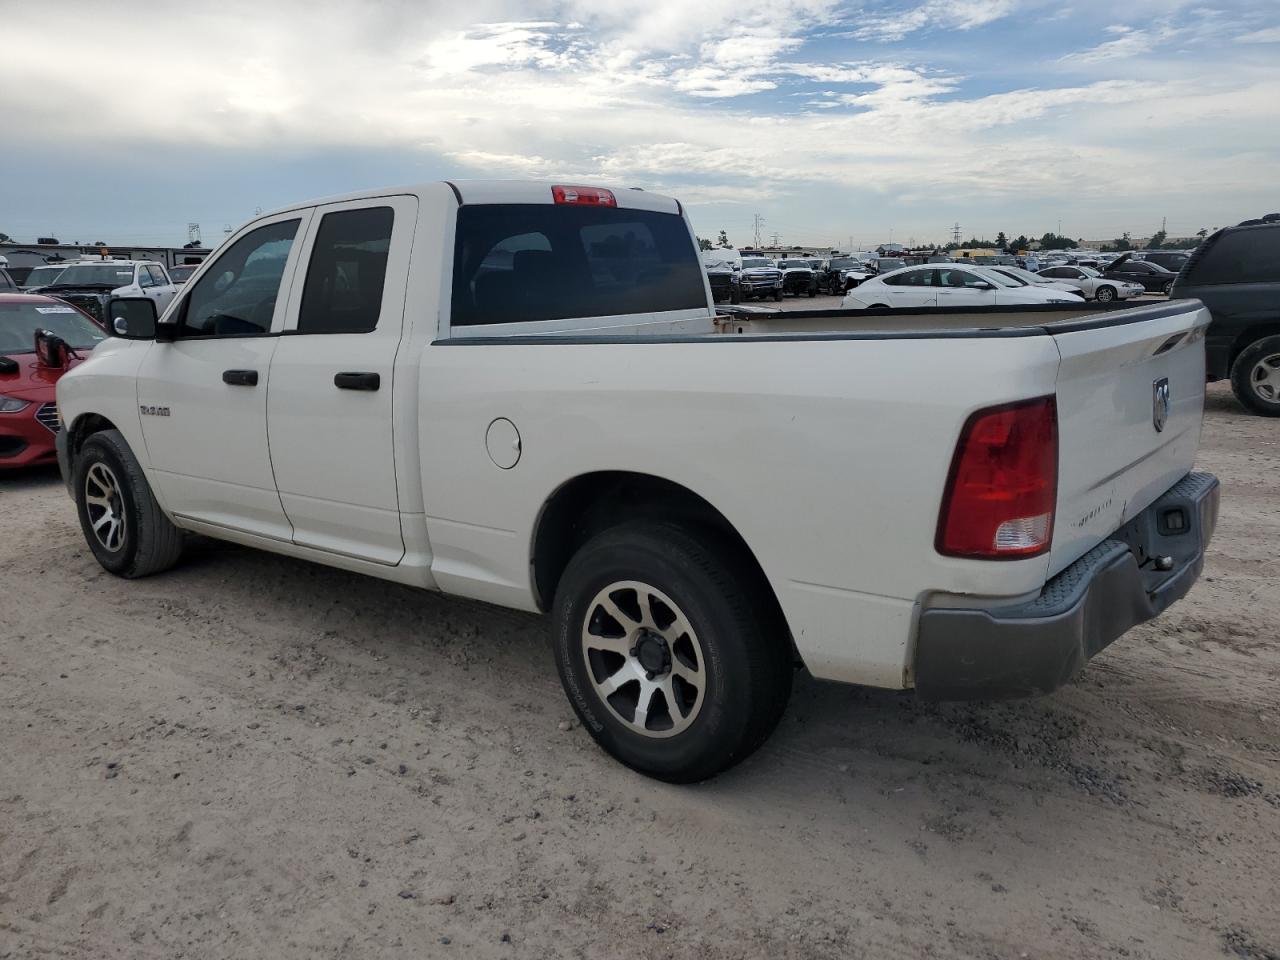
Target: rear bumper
{"type": "Point", "coordinates": [1036, 647]}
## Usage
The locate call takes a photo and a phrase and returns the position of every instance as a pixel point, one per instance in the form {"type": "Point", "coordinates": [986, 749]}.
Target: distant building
{"type": "Point", "coordinates": [39, 254]}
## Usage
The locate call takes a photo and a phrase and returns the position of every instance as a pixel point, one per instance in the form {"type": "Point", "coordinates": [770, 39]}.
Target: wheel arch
{"type": "Point", "coordinates": [1250, 335]}
{"type": "Point", "coordinates": [593, 502]}
{"type": "Point", "coordinates": [82, 428]}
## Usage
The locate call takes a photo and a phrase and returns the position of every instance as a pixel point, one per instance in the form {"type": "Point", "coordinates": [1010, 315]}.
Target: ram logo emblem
{"type": "Point", "coordinates": [154, 411]}
{"type": "Point", "coordinates": [1160, 403]}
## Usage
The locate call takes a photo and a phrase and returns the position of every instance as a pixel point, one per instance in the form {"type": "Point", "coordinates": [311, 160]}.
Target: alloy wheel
{"type": "Point", "coordinates": [104, 503]}
{"type": "Point", "coordinates": [1265, 378]}
{"type": "Point", "coordinates": [644, 659]}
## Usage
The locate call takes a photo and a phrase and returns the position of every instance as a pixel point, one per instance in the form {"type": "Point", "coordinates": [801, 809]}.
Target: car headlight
{"type": "Point", "coordinates": [12, 404]}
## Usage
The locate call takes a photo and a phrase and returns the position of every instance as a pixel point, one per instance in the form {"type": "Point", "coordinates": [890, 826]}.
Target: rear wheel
{"type": "Point", "coordinates": [1106, 294]}
{"type": "Point", "coordinates": [1255, 376]}
{"type": "Point", "coordinates": [668, 654]}
{"type": "Point", "coordinates": [123, 524]}
{"type": "Point", "coordinates": [1168, 288]}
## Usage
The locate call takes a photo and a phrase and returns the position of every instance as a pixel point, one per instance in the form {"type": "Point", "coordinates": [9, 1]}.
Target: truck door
{"type": "Point", "coordinates": [330, 411]}
{"type": "Point", "coordinates": [203, 397]}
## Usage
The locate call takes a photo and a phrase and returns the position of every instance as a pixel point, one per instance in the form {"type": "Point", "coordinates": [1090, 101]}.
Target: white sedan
{"type": "Point", "coordinates": [948, 285]}
{"type": "Point", "coordinates": [1044, 283]}
{"type": "Point", "coordinates": [1093, 284]}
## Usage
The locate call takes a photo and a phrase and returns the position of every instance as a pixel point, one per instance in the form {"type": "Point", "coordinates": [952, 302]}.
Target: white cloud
{"type": "Point", "coordinates": [719, 103]}
{"type": "Point", "coordinates": [894, 24]}
{"type": "Point", "coordinates": [1269, 35]}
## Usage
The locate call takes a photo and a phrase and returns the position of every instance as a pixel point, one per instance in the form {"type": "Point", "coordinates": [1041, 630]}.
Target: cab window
{"type": "Point", "coordinates": [343, 290]}
{"type": "Point", "coordinates": [237, 295]}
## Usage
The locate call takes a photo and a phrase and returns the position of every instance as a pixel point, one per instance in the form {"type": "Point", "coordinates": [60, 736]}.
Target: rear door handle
{"type": "Point", "coordinates": [357, 381]}
{"type": "Point", "coordinates": [240, 378]}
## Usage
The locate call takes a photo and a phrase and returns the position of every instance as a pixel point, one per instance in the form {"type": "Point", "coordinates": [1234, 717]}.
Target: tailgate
{"type": "Point", "coordinates": [1113, 460]}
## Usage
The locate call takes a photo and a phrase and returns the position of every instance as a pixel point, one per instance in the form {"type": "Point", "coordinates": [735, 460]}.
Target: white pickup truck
{"type": "Point", "coordinates": [522, 393]}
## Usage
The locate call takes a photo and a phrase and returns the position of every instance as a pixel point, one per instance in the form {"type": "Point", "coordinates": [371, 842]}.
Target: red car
{"type": "Point", "coordinates": [28, 416]}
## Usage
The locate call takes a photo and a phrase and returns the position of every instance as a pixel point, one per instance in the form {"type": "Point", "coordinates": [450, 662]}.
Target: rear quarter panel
{"type": "Point", "coordinates": [828, 456]}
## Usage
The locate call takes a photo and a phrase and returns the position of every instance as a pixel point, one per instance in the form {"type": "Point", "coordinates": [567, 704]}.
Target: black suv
{"type": "Point", "coordinates": [1236, 274]}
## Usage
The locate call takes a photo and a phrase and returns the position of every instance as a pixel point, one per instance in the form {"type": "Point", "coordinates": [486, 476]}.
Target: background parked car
{"type": "Point", "coordinates": [948, 285]}
{"type": "Point", "coordinates": [89, 284]}
{"type": "Point", "coordinates": [19, 275]}
{"type": "Point", "coordinates": [1236, 274]}
{"type": "Point", "coordinates": [720, 275]}
{"type": "Point", "coordinates": [42, 276]}
{"type": "Point", "coordinates": [1171, 260]}
{"type": "Point", "coordinates": [798, 278]}
{"type": "Point", "coordinates": [182, 272]}
{"type": "Point", "coordinates": [842, 274]}
{"type": "Point", "coordinates": [1153, 277]}
{"type": "Point", "coordinates": [1093, 284]}
{"type": "Point", "coordinates": [7, 283]}
{"type": "Point", "coordinates": [1048, 283]}
{"type": "Point", "coordinates": [759, 277]}
{"type": "Point", "coordinates": [29, 421]}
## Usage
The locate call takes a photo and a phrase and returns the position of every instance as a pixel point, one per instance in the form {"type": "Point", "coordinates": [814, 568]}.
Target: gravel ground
{"type": "Point", "coordinates": [257, 757]}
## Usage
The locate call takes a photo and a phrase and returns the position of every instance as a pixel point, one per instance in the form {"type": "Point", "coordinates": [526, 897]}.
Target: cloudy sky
{"type": "Point", "coordinates": [124, 122]}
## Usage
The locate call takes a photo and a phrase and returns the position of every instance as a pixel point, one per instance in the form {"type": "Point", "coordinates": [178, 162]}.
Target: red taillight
{"type": "Point", "coordinates": [1003, 484]}
{"type": "Point", "coordinates": [585, 196]}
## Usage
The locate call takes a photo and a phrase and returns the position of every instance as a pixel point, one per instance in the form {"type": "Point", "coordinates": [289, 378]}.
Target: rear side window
{"type": "Point", "coordinates": [1241, 256]}
{"type": "Point", "coordinates": [343, 291]}
{"type": "Point", "coordinates": [518, 263]}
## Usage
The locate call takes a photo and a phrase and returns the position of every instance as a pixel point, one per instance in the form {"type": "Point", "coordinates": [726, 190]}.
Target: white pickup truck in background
{"type": "Point", "coordinates": [521, 393]}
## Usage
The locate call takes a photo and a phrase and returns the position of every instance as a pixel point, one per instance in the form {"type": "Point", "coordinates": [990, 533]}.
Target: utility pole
{"type": "Point", "coordinates": [955, 234]}
{"type": "Point", "coordinates": [759, 222]}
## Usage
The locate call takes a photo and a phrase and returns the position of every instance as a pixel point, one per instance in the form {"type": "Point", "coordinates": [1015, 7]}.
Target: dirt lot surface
{"type": "Point", "coordinates": [257, 757]}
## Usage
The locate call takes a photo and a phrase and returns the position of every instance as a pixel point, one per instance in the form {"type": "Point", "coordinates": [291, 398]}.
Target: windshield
{"type": "Point", "coordinates": [42, 275]}
{"type": "Point", "coordinates": [93, 274]}
{"type": "Point", "coordinates": [846, 263]}
{"type": "Point", "coordinates": [1089, 271]}
{"type": "Point", "coordinates": [1019, 274]}
{"type": "Point", "coordinates": [890, 263]}
{"type": "Point", "coordinates": [20, 321]}
{"type": "Point", "coordinates": [756, 262]}
{"type": "Point", "coordinates": [998, 278]}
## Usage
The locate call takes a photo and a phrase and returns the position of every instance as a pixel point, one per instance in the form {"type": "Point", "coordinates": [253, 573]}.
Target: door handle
{"type": "Point", "coordinates": [240, 378]}
{"type": "Point", "coordinates": [357, 381]}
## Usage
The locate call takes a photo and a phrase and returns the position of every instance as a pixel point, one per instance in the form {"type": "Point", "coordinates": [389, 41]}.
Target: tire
{"type": "Point", "coordinates": [777, 295]}
{"type": "Point", "coordinates": [137, 539]}
{"type": "Point", "coordinates": [1255, 376]}
{"type": "Point", "coordinates": [1105, 294]}
{"type": "Point", "coordinates": [735, 296]}
{"type": "Point", "coordinates": [734, 638]}
{"type": "Point", "coordinates": [1167, 288]}
{"type": "Point", "coordinates": [813, 291]}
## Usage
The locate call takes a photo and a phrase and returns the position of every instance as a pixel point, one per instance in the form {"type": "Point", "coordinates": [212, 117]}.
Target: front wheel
{"type": "Point", "coordinates": [1168, 288]}
{"type": "Point", "coordinates": [1106, 294]}
{"type": "Point", "coordinates": [123, 524]}
{"type": "Point", "coordinates": [777, 295]}
{"type": "Point", "coordinates": [668, 654]}
{"type": "Point", "coordinates": [1255, 376]}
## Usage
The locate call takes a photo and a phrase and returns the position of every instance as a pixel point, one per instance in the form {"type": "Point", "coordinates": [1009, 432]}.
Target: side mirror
{"type": "Point", "coordinates": [133, 318]}
{"type": "Point", "coordinates": [983, 285]}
